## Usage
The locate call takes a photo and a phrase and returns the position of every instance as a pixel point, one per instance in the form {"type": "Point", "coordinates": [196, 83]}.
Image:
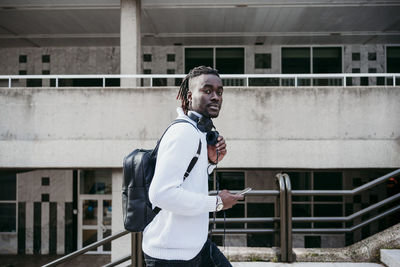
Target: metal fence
{"type": "Point", "coordinates": [282, 221]}
{"type": "Point", "coordinates": [229, 80]}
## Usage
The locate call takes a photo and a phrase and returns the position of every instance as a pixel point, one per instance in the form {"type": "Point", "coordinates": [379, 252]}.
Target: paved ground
{"type": "Point", "coordinates": [304, 264]}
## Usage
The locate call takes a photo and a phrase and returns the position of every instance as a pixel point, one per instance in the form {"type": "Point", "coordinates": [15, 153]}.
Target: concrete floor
{"type": "Point", "coordinates": [305, 264]}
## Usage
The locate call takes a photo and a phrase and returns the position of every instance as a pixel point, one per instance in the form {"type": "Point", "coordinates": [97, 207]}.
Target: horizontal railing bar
{"type": "Point", "coordinates": [346, 230]}
{"type": "Point", "coordinates": [242, 231]}
{"type": "Point", "coordinates": [350, 217]}
{"type": "Point", "coordinates": [85, 249]}
{"type": "Point", "coordinates": [252, 192]}
{"type": "Point", "coordinates": [118, 261]}
{"type": "Point", "coordinates": [346, 192]}
{"type": "Point", "coordinates": [244, 220]}
{"type": "Point", "coordinates": [223, 76]}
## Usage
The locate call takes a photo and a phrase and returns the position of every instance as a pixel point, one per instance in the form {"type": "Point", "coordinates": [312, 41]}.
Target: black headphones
{"type": "Point", "coordinates": [205, 125]}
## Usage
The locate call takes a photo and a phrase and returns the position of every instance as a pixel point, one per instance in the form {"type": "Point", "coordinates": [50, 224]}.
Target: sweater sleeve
{"type": "Point", "coordinates": [177, 148]}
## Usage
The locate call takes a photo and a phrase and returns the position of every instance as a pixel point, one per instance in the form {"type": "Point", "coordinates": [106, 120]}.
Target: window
{"type": "Point", "coordinates": [95, 182]}
{"type": "Point", "coordinates": [227, 60]}
{"type": "Point", "coordinates": [23, 59]}
{"type": "Point", "coordinates": [372, 56]}
{"type": "Point", "coordinates": [170, 57]}
{"type": "Point", "coordinates": [198, 56]}
{"type": "Point", "coordinates": [327, 60]}
{"type": "Point", "coordinates": [355, 56]}
{"type": "Point", "coordinates": [46, 58]}
{"type": "Point", "coordinates": [262, 61]}
{"type": "Point", "coordinates": [8, 201]}
{"type": "Point", "coordinates": [147, 57]}
{"type": "Point", "coordinates": [393, 59]}
{"type": "Point", "coordinates": [296, 60]}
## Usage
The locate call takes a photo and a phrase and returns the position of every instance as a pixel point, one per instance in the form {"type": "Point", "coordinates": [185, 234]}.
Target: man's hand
{"type": "Point", "coordinates": [229, 199]}
{"type": "Point", "coordinates": [212, 150]}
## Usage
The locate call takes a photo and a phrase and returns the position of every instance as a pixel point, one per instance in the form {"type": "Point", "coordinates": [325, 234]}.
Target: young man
{"type": "Point", "coordinates": [178, 234]}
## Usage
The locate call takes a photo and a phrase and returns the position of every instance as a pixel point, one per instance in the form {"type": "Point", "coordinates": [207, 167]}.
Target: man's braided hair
{"type": "Point", "coordinates": [184, 89]}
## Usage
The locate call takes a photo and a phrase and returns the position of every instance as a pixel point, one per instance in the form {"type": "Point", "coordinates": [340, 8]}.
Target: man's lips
{"type": "Point", "coordinates": [214, 106]}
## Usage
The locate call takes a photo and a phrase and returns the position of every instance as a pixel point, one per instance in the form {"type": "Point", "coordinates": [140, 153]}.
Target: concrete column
{"type": "Point", "coordinates": [130, 40]}
{"type": "Point", "coordinates": [122, 246]}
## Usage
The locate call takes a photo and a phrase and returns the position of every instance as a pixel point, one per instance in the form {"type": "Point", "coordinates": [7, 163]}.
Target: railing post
{"type": "Point", "coordinates": [344, 81]}
{"type": "Point", "coordinates": [282, 216]}
{"type": "Point", "coordinates": [151, 82]}
{"type": "Point", "coordinates": [136, 250]}
{"type": "Point", "coordinates": [9, 82]}
{"type": "Point", "coordinates": [104, 82]}
{"type": "Point", "coordinates": [295, 81]}
{"type": "Point", "coordinates": [289, 217]}
{"type": "Point", "coordinates": [57, 82]}
{"type": "Point", "coordinates": [247, 81]}
{"type": "Point", "coordinates": [394, 80]}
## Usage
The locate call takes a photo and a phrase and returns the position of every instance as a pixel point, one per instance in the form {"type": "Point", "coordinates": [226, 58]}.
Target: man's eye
{"type": "Point", "coordinates": [220, 93]}
{"type": "Point", "coordinates": [208, 91]}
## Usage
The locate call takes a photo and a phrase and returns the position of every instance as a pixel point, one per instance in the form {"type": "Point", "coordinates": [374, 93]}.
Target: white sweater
{"type": "Point", "coordinates": [180, 229]}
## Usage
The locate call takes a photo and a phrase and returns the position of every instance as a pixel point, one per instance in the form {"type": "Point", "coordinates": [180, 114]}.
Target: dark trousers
{"type": "Point", "coordinates": [209, 255]}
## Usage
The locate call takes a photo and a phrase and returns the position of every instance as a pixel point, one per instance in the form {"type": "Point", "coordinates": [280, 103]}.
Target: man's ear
{"type": "Point", "coordinates": [189, 95]}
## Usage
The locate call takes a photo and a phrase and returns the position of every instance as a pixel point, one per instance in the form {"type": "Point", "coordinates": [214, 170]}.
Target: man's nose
{"type": "Point", "coordinates": [215, 97]}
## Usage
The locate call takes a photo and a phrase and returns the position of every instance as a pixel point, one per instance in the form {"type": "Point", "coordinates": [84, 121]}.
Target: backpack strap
{"type": "Point", "coordinates": [192, 162]}
{"type": "Point", "coordinates": [194, 159]}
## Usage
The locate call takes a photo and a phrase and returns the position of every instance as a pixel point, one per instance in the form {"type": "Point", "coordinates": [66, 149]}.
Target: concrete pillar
{"type": "Point", "coordinates": [121, 246]}
{"type": "Point", "coordinates": [130, 40]}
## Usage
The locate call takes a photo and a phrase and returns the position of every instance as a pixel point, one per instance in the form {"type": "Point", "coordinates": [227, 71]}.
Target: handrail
{"type": "Point", "coordinates": [350, 217]}
{"type": "Point", "coordinates": [85, 249]}
{"type": "Point", "coordinates": [357, 190]}
{"type": "Point", "coordinates": [246, 77]}
{"type": "Point", "coordinates": [346, 192]}
{"type": "Point", "coordinates": [347, 230]}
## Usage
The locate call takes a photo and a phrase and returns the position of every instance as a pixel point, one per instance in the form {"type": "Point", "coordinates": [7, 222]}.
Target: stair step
{"type": "Point", "coordinates": [390, 257]}
{"type": "Point", "coordinates": [305, 264]}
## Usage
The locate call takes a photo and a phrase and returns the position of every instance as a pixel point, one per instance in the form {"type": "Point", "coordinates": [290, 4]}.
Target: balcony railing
{"type": "Point", "coordinates": [248, 80]}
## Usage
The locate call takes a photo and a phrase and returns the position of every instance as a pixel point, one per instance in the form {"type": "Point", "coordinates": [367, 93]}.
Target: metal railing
{"type": "Point", "coordinates": [353, 192]}
{"type": "Point", "coordinates": [340, 79]}
{"type": "Point", "coordinates": [136, 255]}
{"type": "Point", "coordinates": [282, 221]}
{"type": "Point", "coordinates": [86, 249]}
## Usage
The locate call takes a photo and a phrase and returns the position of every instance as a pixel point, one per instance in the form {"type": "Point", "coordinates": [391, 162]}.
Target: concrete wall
{"type": "Point", "coordinates": [264, 127]}
{"type": "Point", "coordinates": [106, 60]}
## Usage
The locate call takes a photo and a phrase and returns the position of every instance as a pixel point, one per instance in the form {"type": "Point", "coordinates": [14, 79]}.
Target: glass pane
{"type": "Point", "coordinates": [7, 217]}
{"type": "Point", "coordinates": [328, 181]}
{"type": "Point", "coordinates": [296, 60]}
{"type": "Point", "coordinates": [89, 237]}
{"type": "Point", "coordinates": [95, 182]}
{"type": "Point", "coordinates": [89, 212]}
{"type": "Point", "coordinates": [230, 60]}
{"type": "Point", "coordinates": [393, 60]}
{"type": "Point", "coordinates": [198, 56]}
{"type": "Point", "coordinates": [107, 208]}
{"type": "Point", "coordinates": [107, 247]}
{"type": "Point", "coordinates": [327, 60]}
{"type": "Point", "coordinates": [231, 180]}
{"type": "Point", "coordinates": [8, 186]}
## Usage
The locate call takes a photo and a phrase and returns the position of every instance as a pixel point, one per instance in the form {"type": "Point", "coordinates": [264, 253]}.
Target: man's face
{"type": "Point", "coordinates": [205, 94]}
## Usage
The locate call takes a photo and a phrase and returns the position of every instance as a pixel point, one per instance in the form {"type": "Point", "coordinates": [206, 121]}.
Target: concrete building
{"type": "Point", "coordinates": [61, 148]}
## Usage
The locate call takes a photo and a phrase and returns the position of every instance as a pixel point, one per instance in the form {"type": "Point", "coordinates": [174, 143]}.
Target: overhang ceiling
{"type": "Point", "coordinates": [43, 23]}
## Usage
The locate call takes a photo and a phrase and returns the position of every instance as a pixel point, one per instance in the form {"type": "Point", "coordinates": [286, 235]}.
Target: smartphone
{"type": "Point", "coordinates": [244, 191]}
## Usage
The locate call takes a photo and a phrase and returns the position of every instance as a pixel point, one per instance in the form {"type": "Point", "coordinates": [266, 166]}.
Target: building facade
{"type": "Point", "coordinates": [62, 147]}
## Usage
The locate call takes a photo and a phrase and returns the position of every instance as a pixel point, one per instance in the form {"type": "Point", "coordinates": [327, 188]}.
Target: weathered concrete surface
{"type": "Point", "coordinates": [251, 254]}
{"type": "Point", "coordinates": [367, 250]}
{"type": "Point", "coordinates": [390, 257]}
{"type": "Point", "coordinates": [328, 127]}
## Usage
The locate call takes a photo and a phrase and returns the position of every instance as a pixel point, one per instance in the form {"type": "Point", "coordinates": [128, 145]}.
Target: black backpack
{"type": "Point", "coordinates": [138, 171]}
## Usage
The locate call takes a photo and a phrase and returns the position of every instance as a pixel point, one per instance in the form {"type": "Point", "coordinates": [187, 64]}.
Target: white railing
{"type": "Point", "coordinates": [292, 78]}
